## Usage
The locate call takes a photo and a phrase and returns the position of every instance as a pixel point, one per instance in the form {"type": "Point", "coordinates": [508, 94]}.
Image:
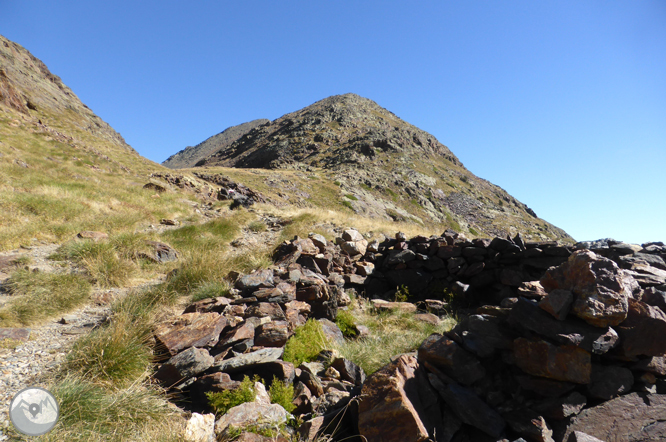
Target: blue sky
{"type": "Point", "coordinates": [561, 103]}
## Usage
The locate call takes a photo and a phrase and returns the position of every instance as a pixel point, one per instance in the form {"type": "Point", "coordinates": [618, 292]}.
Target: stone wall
{"type": "Point", "coordinates": [555, 337]}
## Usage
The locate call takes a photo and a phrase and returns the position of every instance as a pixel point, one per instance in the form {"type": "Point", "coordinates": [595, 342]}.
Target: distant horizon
{"type": "Point", "coordinates": [563, 106]}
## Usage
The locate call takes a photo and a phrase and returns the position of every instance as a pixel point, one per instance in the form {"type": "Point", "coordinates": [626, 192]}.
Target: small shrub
{"type": "Point", "coordinates": [345, 322]}
{"type": "Point", "coordinates": [402, 294]}
{"type": "Point", "coordinates": [348, 205]}
{"type": "Point", "coordinates": [337, 183]}
{"type": "Point", "coordinates": [306, 343]}
{"type": "Point", "coordinates": [223, 401]}
{"type": "Point", "coordinates": [282, 394]}
{"type": "Point", "coordinates": [351, 197]}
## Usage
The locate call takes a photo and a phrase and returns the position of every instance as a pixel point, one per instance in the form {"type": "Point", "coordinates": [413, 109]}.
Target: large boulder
{"type": "Point", "coordinates": [643, 331]}
{"type": "Point", "coordinates": [633, 417]}
{"type": "Point", "coordinates": [184, 365]}
{"type": "Point", "coordinates": [600, 290]}
{"type": "Point", "coordinates": [389, 409]}
{"type": "Point", "coordinates": [190, 330]}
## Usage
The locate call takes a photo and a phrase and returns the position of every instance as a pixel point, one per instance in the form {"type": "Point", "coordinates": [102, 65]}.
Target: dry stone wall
{"type": "Point", "coordinates": [553, 337]}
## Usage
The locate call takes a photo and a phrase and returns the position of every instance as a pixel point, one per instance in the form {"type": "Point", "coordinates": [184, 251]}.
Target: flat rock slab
{"type": "Point", "coordinates": [15, 334]}
{"type": "Point", "coordinates": [592, 339]}
{"type": "Point", "coordinates": [452, 359]}
{"type": "Point", "coordinates": [562, 363]}
{"type": "Point", "coordinates": [191, 330]}
{"type": "Point", "coordinates": [251, 414]}
{"type": "Point", "coordinates": [184, 365]}
{"type": "Point", "coordinates": [247, 360]}
{"type": "Point", "coordinates": [469, 407]}
{"type": "Point", "coordinates": [631, 418]}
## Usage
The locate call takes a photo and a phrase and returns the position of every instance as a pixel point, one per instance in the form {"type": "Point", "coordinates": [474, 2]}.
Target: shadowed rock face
{"type": "Point", "coordinates": [191, 155]}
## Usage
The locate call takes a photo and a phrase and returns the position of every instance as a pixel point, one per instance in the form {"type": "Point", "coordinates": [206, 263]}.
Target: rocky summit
{"type": "Point", "coordinates": [384, 166]}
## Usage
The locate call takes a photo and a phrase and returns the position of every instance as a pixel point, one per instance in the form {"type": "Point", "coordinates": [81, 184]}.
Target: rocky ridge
{"type": "Point", "coordinates": [384, 166]}
{"type": "Point", "coordinates": [192, 155]}
{"type": "Point", "coordinates": [555, 354]}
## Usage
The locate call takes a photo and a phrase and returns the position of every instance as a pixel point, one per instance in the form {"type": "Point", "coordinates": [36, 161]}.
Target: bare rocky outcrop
{"type": "Point", "coordinates": [385, 167]}
{"type": "Point", "coordinates": [191, 155]}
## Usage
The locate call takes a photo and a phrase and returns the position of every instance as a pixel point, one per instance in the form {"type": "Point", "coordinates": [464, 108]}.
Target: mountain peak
{"type": "Point", "coordinates": [336, 130]}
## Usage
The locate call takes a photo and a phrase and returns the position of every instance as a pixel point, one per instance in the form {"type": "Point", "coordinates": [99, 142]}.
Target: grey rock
{"type": "Point", "coordinates": [242, 362]}
{"type": "Point", "coordinates": [184, 365]}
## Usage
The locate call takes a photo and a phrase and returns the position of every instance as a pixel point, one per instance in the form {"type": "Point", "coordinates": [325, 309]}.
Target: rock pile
{"type": "Point", "coordinates": [564, 337]}
{"type": "Point", "coordinates": [582, 359]}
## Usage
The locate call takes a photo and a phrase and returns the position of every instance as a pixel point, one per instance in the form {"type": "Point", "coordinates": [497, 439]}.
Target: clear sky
{"type": "Point", "coordinates": [561, 103]}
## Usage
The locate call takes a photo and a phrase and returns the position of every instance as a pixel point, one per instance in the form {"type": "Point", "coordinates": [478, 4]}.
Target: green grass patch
{"type": "Point", "coordinates": [211, 289]}
{"type": "Point", "coordinates": [223, 401]}
{"type": "Point", "coordinates": [89, 412]}
{"type": "Point", "coordinates": [38, 296]}
{"type": "Point", "coordinates": [257, 226]}
{"type": "Point", "coordinates": [306, 343]}
{"type": "Point", "coordinates": [391, 333]}
{"type": "Point", "coordinates": [351, 197]}
{"type": "Point", "coordinates": [348, 205]}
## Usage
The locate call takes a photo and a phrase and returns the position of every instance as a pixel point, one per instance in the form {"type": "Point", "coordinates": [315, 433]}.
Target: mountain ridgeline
{"type": "Point", "coordinates": [384, 167]}
{"type": "Point", "coordinates": [192, 155]}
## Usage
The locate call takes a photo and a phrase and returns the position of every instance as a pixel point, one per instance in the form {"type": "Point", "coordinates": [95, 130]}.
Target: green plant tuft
{"type": "Point", "coordinates": [345, 322]}
{"type": "Point", "coordinates": [282, 394]}
{"type": "Point", "coordinates": [306, 343]}
{"type": "Point", "coordinates": [223, 401]}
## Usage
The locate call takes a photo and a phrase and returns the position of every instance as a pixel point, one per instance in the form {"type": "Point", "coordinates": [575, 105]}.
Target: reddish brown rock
{"type": "Point", "coordinates": [563, 363]}
{"type": "Point", "coordinates": [237, 334]}
{"type": "Point", "coordinates": [454, 361]}
{"type": "Point", "coordinates": [601, 294]}
{"type": "Point", "coordinates": [273, 334]}
{"type": "Point", "coordinates": [557, 303]}
{"type": "Point", "coordinates": [386, 410]}
{"type": "Point", "coordinates": [643, 331]}
{"type": "Point", "coordinates": [633, 417]}
{"type": "Point", "coordinates": [191, 330]}
{"type": "Point", "coordinates": [215, 382]}
{"type": "Point", "coordinates": [208, 305]}
{"type": "Point", "coordinates": [608, 382]}
{"type": "Point", "coordinates": [266, 310]}
{"type": "Point", "coordinates": [532, 290]}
